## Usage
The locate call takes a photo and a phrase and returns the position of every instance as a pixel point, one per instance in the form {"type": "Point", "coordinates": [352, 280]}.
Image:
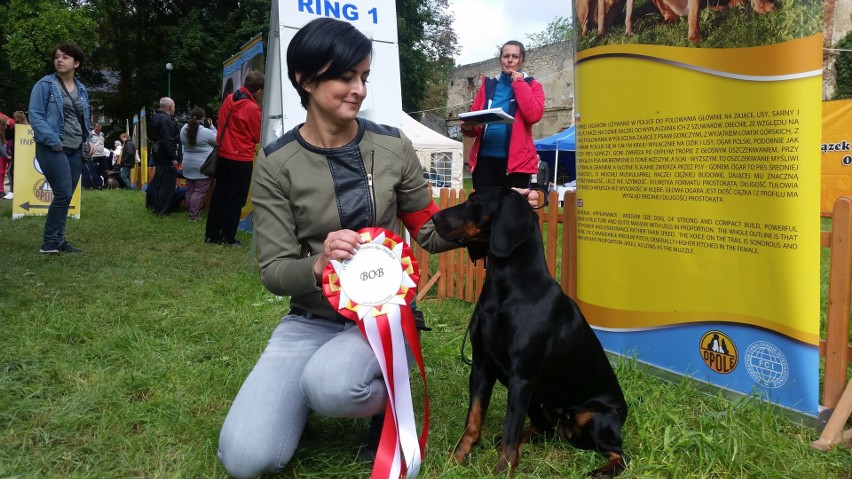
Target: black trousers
{"type": "Point", "coordinates": [230, 193]}
{"type": "Point", "coordinates": [163, 185]}
{"type": "Point", "coordinates": [103, 164]}
{"type": "Point", "coordinates": [491, 171]}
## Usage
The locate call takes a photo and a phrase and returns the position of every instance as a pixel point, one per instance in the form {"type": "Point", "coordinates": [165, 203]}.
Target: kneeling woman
{"type": "Point", "coordinates": [313, 189]}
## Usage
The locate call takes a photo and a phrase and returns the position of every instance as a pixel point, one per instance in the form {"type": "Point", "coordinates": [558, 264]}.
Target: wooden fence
{"type": "Point", "coordinates": [457, 277]}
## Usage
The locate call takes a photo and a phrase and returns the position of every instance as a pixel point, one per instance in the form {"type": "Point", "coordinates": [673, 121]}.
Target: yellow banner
{"type": "Point", "coordinates": [698, 193]}
{"type": "Point", "coordinates": [142, 145]}
{"type": "Point", "coordinates": [836, 153]}
{"type": "Point", "coordinates": [32, 192]}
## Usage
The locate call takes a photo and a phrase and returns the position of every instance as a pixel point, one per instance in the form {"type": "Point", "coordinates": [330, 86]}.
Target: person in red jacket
{"type": "Point", "coordinates": [239, 132]}
{"type": "Point", "coordinates": [503, 154]}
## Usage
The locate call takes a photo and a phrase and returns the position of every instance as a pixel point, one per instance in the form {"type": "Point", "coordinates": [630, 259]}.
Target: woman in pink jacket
{"type": "Point", "coordinates": [503, 154]}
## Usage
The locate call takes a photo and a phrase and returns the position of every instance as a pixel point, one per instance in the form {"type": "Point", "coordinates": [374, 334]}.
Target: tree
{"type": "Point", "coordinates": [427, 45]}
{"type": "Point", "coordinates": [843, 69]}
{"type": "Point", "coordinates": [132, 46]}
{"type": "Point", "coordinates": [31, 29]}
{"type": "Point", "coordinates": [130, 42]}
{"type": "Point", "coordinates": [140, 36]}
{"type": "Point", "coordinates": [559, 29]}
{"type": "Point", "coordinates": [441, 45]}
{"type": "Point", "coordinates": [34, 27]}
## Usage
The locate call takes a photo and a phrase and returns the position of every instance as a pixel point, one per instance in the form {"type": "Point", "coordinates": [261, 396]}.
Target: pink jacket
{"type": "Point", "coordinates": [529, 98]}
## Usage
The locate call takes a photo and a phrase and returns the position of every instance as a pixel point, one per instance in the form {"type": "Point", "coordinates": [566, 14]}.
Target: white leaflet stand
{"type": "Point", "coordinates": [375, 18]}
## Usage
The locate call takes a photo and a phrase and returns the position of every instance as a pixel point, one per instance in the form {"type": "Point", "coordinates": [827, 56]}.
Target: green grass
{"type": "Point", "coordinates": [728, 28]}
{"type": "Point", "coordinates": [122, 362]}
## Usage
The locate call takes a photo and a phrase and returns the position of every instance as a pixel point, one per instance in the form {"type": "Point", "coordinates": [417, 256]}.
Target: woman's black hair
{"type": "Point", "coordinates": [72, 50]}
{"type": "Point", "coordinates": [324, 49]}
{"type": "Point", "coordinates": [195, 117]}
{"type": "Point", "coordinates": [517, 44]}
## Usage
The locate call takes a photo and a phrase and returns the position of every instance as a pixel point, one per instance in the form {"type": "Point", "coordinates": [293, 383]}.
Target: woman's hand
{"type": "Point", "coordinates": [338, 245]}
{"type": "Point", "coordinates": [468, 126]}
{"type": "Point", "coordinates": [534, 197]}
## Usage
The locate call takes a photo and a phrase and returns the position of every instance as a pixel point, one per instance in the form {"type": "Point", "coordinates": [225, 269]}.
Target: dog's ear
{"type": "Point", "coordinates": [513, 223]}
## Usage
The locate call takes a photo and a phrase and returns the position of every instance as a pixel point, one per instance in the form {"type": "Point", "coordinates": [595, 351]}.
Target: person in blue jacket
{"type": "Point", "coordinates": [61, 123]}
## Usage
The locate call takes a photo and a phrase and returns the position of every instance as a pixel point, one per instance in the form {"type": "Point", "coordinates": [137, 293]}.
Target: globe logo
{"type": "Point", "coordinates": [766, 364]}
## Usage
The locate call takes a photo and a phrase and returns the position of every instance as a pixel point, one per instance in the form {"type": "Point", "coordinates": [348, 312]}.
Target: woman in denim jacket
{"type": "Point", "coordinates": [60, 118]}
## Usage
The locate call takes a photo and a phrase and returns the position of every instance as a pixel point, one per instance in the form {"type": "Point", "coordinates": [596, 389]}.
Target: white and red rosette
{"type": "Point", "coordinates": [374, 289]}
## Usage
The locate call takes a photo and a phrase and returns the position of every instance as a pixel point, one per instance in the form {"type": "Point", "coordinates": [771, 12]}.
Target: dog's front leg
{"type": "Point", "coordinates": [692, 20]}
{"type": "Point", "coordinates": [583, 13]}
{"type": "Point", "coordinates": [481, 385]}
{"type": "Point", "coordinates": [601, 17]}
{"type": "Point", "coordinates": [628, 19]}
{"type": "Point", "coordinates": [520, 393]}
{"type": "Point", "coordinates": [762, 6]}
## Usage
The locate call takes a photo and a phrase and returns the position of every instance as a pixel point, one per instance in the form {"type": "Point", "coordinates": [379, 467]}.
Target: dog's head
{"type": "Point", "coordinates": [492, 219]}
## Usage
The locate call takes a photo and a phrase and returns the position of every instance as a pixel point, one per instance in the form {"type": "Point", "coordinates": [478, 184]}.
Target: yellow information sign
{"type": "Point", "coordinates": [697, 216]}
{"type": "Point", "coordinates": [32, 192]}
{"type": "Point", "coordinates": [836, 153]}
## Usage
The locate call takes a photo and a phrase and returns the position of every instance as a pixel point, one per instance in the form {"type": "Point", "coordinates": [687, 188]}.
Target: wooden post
{"type": "Point", "coordinates": [833, 434]}
{"type": "Point", "coordinates": [837, 330]}
{"type": "Point", "coordinates": [837, 317]}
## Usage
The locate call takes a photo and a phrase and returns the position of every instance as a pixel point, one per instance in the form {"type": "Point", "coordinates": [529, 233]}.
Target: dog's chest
{"type": "Point", "coordinates": [501, 346]}
{"type": "Point", "coordinates": [537, 332]}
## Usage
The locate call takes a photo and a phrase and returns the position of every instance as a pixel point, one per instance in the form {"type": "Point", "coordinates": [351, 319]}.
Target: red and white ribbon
{"type": "Point", "coordinates": [374, 289]}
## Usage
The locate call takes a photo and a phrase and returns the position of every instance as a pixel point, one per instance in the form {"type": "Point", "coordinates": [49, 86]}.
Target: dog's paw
{"type": "Point", "coordinates": [463, 448]}
{"type": "Point", "coordinates": [762, 6]}
{"type": "Point", "coordinates": [460, 456]}
{"type": "Point", "coordinates": [614, 467]}
{"type": "Point", "coordinates": [502, 466]}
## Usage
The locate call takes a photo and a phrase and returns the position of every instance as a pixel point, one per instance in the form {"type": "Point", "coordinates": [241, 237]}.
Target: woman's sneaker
{"type": "Point", "coordinates": [66, 247]}
{"type": "Point", "coordinates": [49, 250]}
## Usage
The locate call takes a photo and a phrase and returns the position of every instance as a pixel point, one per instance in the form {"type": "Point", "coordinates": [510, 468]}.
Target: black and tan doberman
{"type": "Point", "coordinates": [526, 333]}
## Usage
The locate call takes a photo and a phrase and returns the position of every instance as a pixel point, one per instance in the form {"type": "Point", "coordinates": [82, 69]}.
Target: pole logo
{"type": "Point", "coordinates": [42, 191]}
{"type": "Point", "coordinates": [718, 352]}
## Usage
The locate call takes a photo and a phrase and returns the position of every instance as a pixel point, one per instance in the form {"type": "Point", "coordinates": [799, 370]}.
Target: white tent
{"type": "Point", "coordinates": [440, 157]}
